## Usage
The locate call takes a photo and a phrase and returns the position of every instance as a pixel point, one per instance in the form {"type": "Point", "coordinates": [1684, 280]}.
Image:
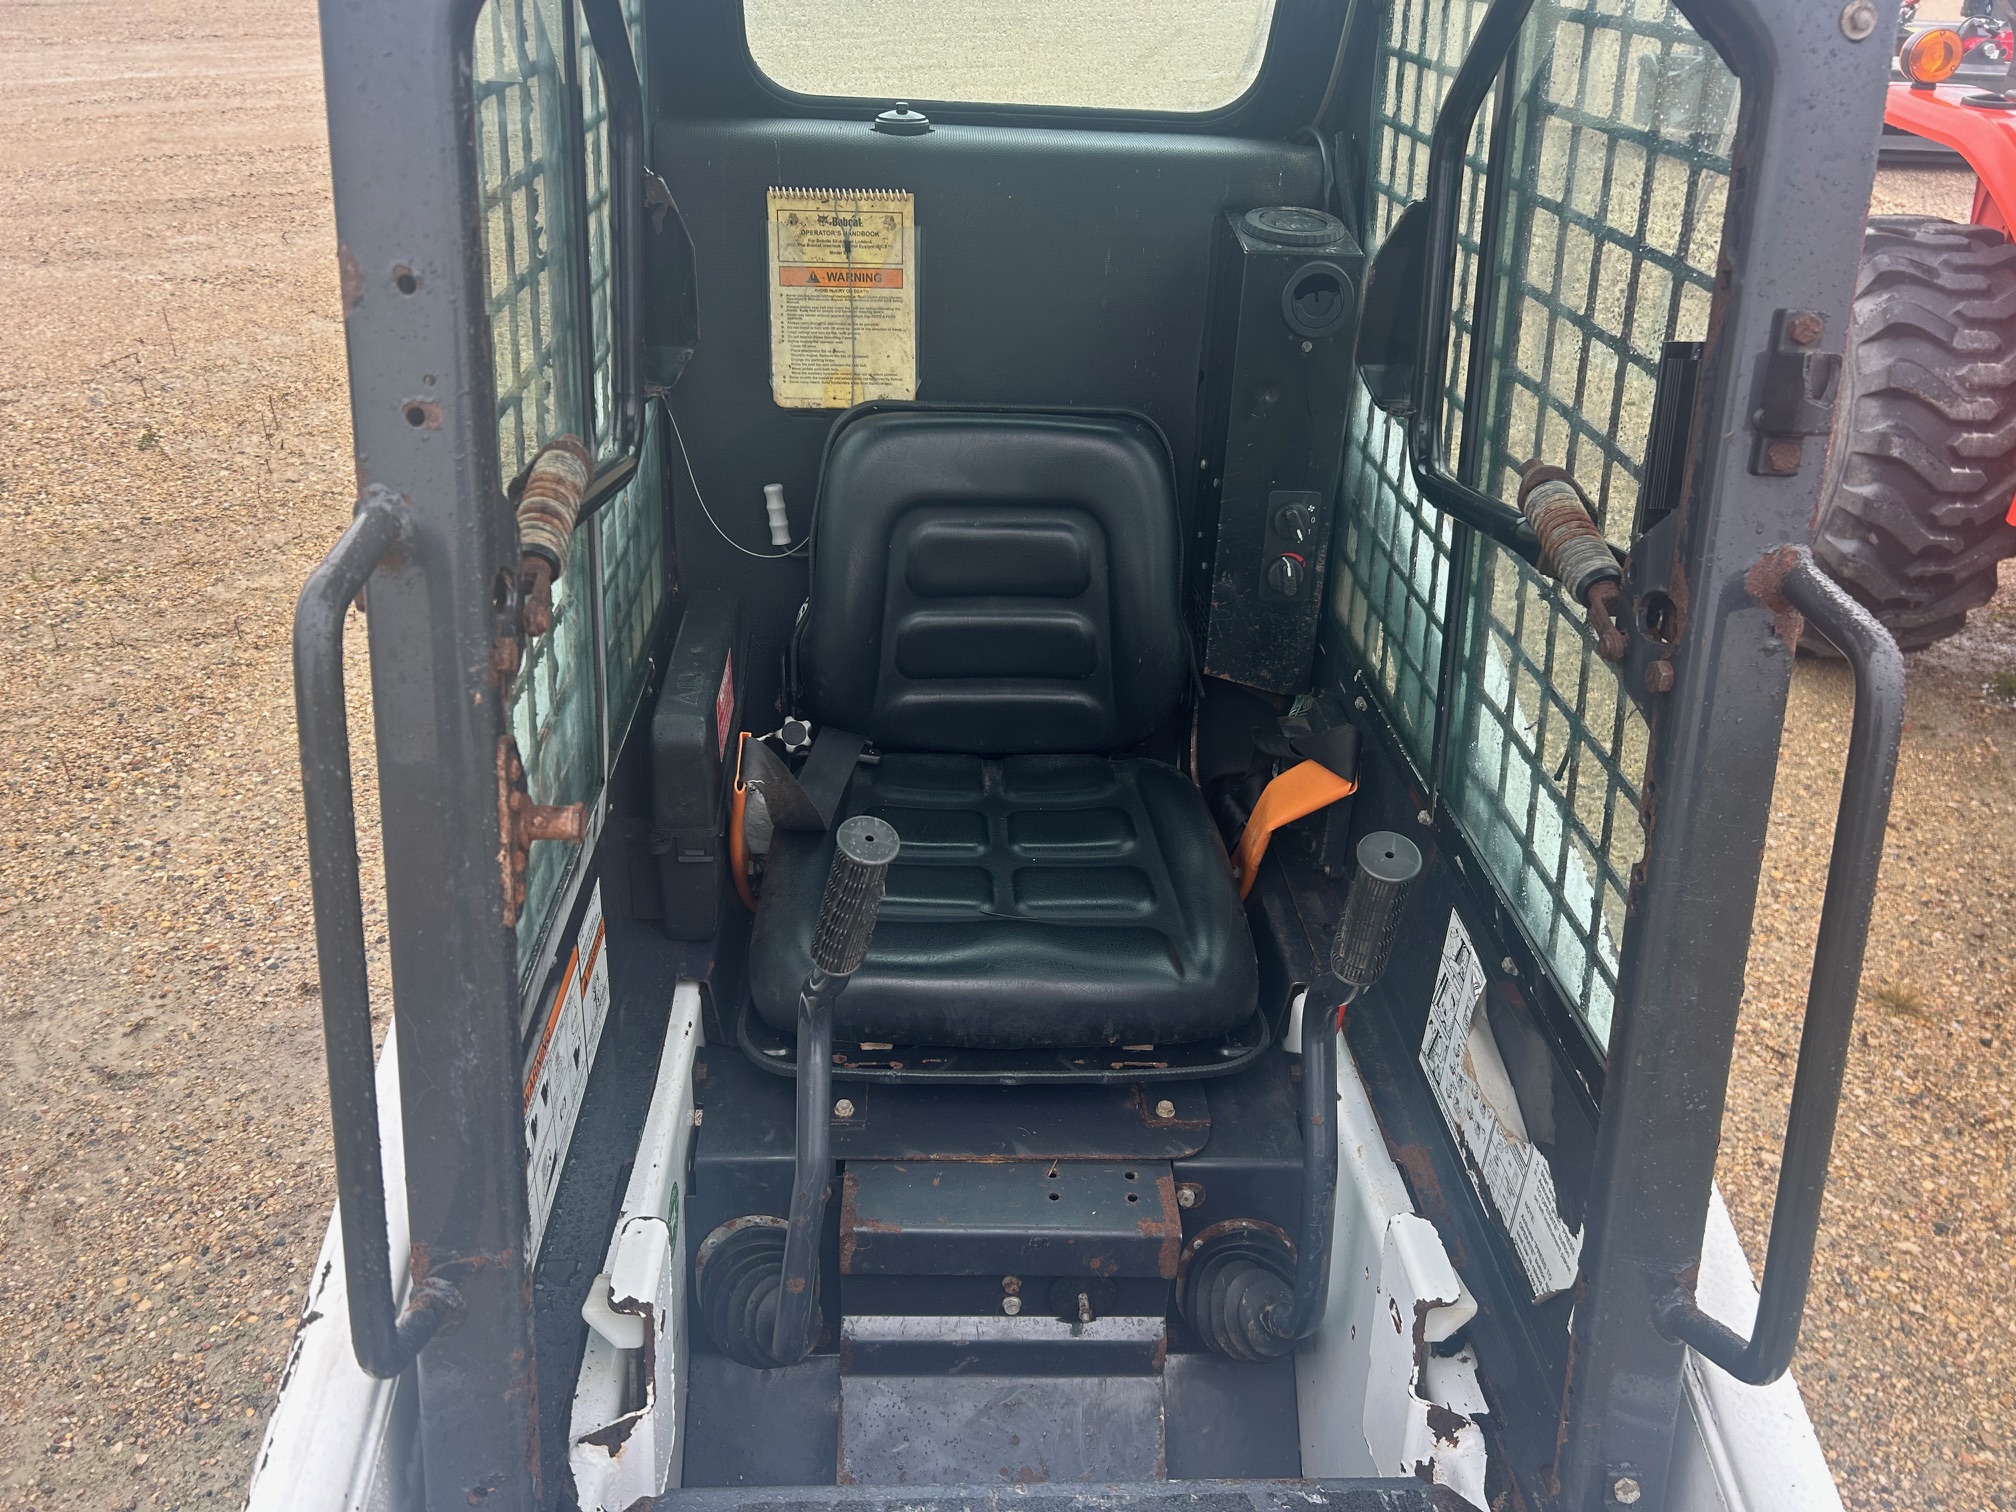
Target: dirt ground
{"type": "Point", "coordinates": [175, 459]}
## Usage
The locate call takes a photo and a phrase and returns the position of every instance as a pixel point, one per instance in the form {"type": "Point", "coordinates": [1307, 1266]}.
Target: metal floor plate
{"type": "Point", "coordinates": [1155, 1496]}
{"type": "Point", "coordinates": [1008, 1430]}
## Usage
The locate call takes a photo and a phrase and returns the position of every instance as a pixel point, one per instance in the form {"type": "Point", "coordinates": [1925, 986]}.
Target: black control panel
{"type": "Point", "coordinates": [1274, 394]}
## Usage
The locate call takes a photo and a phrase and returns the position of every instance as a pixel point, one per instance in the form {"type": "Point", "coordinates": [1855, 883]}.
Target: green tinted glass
{"type": "Point", "coordinates": [1618, 161]}
{"type": "Point", "coordinates": [600, 238]}
{"type": "Point", "coordinates": [524, 167]}
{"type": "Point", "coordinates": [631, 529]}
{"type": "Point", "coordinates": [522, 150]}
{"type": "Point", "coordinates": [1613, 150]}
{"type": "Point", "coordinates": [1391, 594]}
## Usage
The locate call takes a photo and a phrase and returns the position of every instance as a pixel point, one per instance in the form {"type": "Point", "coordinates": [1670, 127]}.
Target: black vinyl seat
{"type": "Point", "coordinates": [994, 606]}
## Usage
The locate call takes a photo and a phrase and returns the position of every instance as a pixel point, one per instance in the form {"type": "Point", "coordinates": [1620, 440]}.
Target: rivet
{"type": "Point", "coordinates": [1359, 704]}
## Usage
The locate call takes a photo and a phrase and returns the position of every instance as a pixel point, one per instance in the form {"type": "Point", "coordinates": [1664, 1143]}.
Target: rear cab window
{"type": "Point", "coordinates": [1075, 54]}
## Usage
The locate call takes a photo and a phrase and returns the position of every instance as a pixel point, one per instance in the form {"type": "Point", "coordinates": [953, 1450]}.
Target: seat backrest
{"type": "Point", "coordinates": [994, 582]}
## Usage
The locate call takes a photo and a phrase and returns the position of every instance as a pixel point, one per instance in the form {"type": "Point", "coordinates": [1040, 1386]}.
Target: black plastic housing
{"type": "Point", "coordinates": [692, 729]}
{"type": "Point", "coordinates": [1275, 380]}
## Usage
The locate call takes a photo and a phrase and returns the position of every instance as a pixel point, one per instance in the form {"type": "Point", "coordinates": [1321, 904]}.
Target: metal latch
{"type": "Point", "coordinates": [1795, 392]}
{"type": "Point", "coordinates": [520, 821]}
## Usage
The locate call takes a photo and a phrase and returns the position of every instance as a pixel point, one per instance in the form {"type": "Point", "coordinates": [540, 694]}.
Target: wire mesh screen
{"type": "Point", "coordinates": [601, 232]}
{"type": "Point", "coordinates": [1393, 549]}
{"type": "Point", "coordinates": [632, 531]}
{"type": "Point", "coordinates": [523, 149]}
{"type": "Point", "coordinates": [522, 137]}
{"type": "Point", "coordinates": [1616, 172]}
{"type": "Point", "coordinates": [1621, 133]}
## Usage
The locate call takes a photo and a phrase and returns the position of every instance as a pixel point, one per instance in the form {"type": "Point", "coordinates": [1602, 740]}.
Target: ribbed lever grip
{"type": "Point", "coordinates": [1387, 866]}
{"type": "Point", "coordinates": [863, 847]}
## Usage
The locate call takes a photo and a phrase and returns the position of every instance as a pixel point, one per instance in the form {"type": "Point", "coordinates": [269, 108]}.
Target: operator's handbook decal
{"type": "Point", "coordinates": [843, 297]}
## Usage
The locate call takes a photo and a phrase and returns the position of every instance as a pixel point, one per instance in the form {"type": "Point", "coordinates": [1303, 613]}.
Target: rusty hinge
{"type": "Point", "coordinates": [520, 821]}
{"type": "Point", "coordinates": [1796, 386]}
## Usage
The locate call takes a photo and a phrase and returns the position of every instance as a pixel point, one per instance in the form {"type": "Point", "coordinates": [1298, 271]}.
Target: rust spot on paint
{"type": "Point", "coordinates": [1765, 582]}
{"type": "Point", "coordinates": [349, 277]}
{"type": "Point", "coordinates": [1167, 1226]}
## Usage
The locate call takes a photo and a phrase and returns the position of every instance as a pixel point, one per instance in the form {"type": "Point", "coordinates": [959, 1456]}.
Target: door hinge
{"type": "Point", "coordinates": [1796, 388]}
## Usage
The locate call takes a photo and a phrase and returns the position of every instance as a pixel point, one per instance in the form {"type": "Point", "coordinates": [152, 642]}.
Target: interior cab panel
{"type": "Point", "coordinates": [1068, 911]}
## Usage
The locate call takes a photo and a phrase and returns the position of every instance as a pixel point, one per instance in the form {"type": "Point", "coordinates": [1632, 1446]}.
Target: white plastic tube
{"type": "Point", "coordinates": [780, 523]}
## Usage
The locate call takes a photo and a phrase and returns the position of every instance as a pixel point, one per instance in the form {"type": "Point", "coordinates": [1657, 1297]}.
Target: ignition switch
{"type": "Point", "coordinates": [1293, 523]}
{"type": "Point", "coordinates": [1286, 574]}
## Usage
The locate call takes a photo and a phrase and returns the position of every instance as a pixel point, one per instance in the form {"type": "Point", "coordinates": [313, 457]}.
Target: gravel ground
{"type": "Point", "coordinates": [176, 459]}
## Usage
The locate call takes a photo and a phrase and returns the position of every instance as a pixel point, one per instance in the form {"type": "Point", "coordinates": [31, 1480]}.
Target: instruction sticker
{"type": "Point", "coordinates": [1477, 1098]}
{"type": "Point", "coordinates": [843, 297]}
{"type": "Point", "coordinates": [557, 1074]}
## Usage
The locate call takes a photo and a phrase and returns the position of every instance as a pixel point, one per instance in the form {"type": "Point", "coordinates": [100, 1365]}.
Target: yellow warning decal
{"type": "Point", "coordinates": [843, 296]}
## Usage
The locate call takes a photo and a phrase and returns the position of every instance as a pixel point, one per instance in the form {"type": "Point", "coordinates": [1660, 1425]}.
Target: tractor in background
{"type": "Point", "coordinates": [1919, 507]}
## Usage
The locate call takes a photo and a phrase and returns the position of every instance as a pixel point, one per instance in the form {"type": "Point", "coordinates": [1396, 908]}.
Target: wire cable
{"type": "Point", "coordinates": [701, 499]}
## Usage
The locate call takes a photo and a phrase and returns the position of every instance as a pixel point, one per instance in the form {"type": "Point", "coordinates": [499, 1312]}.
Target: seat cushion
{"type": "Point", "coordinates": [998, 583]}
{"type": "Point", "coordinates": [1038, 901]}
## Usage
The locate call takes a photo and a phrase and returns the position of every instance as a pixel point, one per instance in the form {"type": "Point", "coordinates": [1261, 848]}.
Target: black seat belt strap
{"type": "Point", "coordinates": [810, 799]}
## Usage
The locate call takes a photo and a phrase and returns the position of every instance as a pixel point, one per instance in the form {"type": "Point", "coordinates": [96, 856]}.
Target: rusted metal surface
{"type": "Point", "coordinates": [1765, 582]}
{"type": "Point", "coordinates": [549, 504]}
{"type": "Point", "coordinates": [520, 822]}
{"type": "Point", "coordinates": [1572, 548]}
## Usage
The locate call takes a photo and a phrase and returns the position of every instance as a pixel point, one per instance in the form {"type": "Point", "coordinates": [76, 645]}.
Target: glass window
{"type": "Point", "coordinates": [1394, 550]}
{"type": "Point", "coordinates": [631, 531]}
{"type": "Point", "coordinates": [1099, 54]}
{"type": "Point", "coordinates": [1616, 164]}
{"type": "Point", "coordinates": [525, 167]}
{"type": "Point", "coordinates": [1619, 170]}
{"type": "Point", "coordinates": [522, 147]}
{"type": "Point", "coordinates": [601, 234]}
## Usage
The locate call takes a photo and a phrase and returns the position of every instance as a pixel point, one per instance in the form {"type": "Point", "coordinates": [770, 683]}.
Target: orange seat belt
{"type": "Point", "coordinates": [1295, 794]}
{"type": "Point", "coordinates": [738, 842]}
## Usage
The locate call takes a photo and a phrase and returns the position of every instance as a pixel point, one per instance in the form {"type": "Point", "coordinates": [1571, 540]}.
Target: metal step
{"type": "Point", "coordinates": [1148, 1496]}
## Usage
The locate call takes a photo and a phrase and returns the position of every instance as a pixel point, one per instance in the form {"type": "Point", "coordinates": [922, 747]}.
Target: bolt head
{"type": "Point", "coordinates": [1625, 1490]}
{"type": "Point", "coordinates": [1806, 327]}
{"type": "Point", "coordinates": [1012, 1285]}
{"type": "Point", "coordinates": [1359, 704]}
{"type": "Point", "coordinates": [1509, 966]}
{"type": "Point", "coordinates": [1659, 677]}
{"type": "Point", "coordinates": [844, 1108]}
{"type": "Point", "coordinates": [1165, 1109]}
{"type": "Point", "coordinates": [1783, 456]}
{"type": "Point", "coordinates": [1424, 818]}
{"type": "Point", "coordinates": [1012, 1306]}
{"type": "Point", "coordinates": [1858, 22]}
{"type": "Point", "coordinates": [1189, 1195]}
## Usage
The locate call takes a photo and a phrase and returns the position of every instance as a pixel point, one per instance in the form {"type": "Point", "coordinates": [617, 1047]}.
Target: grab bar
{"type": "Point", "coordinates": [1873, 740]}
{"type": "Point", "coordinates": [384, 1339]}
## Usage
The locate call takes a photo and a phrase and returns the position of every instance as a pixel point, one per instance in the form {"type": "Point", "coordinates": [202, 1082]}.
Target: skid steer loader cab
{"type": "Point", "coordinates": [1074, 713]}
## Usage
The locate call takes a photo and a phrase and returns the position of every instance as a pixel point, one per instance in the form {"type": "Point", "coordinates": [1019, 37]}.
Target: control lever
{"type": "Point", "coordinates": [1249, 1302]}
{"type": "Point", "coordinates": [863, 847]}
